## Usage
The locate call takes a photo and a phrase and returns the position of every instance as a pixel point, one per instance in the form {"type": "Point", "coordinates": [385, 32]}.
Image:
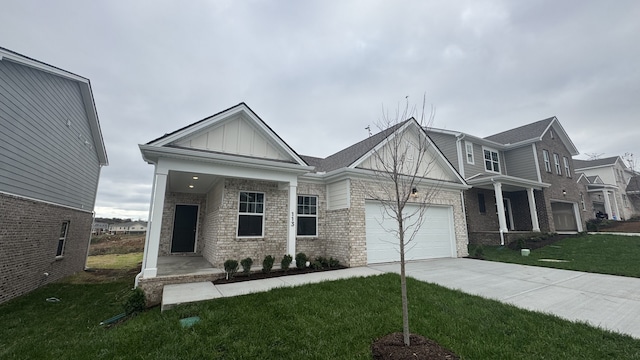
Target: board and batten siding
{"type": "Point", "coordinates": [521, 163]}
{"type": "Point", "coordinates": [338, 195]}
{"type": "Point", "coordinates": [46, 148]}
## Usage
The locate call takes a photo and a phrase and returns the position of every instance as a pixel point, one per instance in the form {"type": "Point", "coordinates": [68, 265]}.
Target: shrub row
{"type": "Point", "coordinates": [231, 266]}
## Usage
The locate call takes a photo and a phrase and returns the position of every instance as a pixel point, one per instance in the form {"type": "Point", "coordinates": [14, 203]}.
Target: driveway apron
{"type": "Point", "coordinates": [606, 301]}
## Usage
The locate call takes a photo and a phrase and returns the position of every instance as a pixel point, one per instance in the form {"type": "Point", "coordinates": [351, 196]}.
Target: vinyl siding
{"type": "Point", "coordinates": [478, 165]}
{"type": "Point", "coordinates": [447, 145]}
{"type": "Point", "coordinates": [41, 157]}
{"type": "Point", "coordinates": [521, 163]}
{"type": "Point", "coordinates": [338, 195]}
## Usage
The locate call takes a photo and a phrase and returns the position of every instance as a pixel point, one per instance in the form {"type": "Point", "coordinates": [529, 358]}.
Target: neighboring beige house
{"type": "Point", "coordinates": [131, 227]}
{"type": "Point", "coordinates": [608, 181]}
{"type": "Point", "coordinates": [228, 187]}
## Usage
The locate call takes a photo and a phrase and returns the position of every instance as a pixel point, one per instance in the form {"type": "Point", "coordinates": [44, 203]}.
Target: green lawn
{"type": "Point", "coordinates": [604, 254]}
{"type": "Point", "coordinates": [114, 261]}
{"type": "Point", "coordinates": [336, 320]}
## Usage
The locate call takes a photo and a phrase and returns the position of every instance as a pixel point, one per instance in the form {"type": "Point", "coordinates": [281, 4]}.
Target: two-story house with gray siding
{"type": "Point", "coordinates": [523, 180]}
{"type": "Point", "coordinates": [51, 153]}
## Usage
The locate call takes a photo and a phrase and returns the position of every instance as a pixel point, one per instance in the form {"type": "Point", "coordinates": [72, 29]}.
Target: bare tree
{"type": "Point", "coordinates": [401, 165]}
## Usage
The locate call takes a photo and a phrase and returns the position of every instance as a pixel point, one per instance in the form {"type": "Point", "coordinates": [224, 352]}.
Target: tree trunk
{"type": "Point", "coordinates": [403, 287]}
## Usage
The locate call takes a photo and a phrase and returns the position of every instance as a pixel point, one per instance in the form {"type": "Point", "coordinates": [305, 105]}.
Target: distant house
{"type": "Point", "coordinates": [98, 228]}
{"type": "Point", "coordinates": [523, 180]}
{"type": "Point", "coordinates": [610, 186]}
{"type": "Point", "coordinates": [51, 153]}
{"type": "Point", "coordinates": [131, 227]}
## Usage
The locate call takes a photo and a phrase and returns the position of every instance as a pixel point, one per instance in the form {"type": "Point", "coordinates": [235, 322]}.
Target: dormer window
{"type": "Point", "coordinates": [491, 160]}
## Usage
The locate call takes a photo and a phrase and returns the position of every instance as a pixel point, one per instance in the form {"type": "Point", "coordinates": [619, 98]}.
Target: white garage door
{"type": "Point", "coordinates": [435, 238]}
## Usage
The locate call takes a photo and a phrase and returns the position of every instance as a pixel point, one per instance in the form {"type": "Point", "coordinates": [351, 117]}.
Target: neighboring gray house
{"type": "Point", "coordinates": [608, 181]}
{"type": "Point", "coordinates": [523, 180]}
{"type": "Point", "coordinates": [228, 187]}
{"type": "Point", "coordinates": [131, 227]}
{"type": "Point", "coordinates": [51, 153]}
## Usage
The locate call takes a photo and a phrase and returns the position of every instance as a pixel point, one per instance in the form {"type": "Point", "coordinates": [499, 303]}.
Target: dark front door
{"type": "Point", "coordinates": [184, 229]}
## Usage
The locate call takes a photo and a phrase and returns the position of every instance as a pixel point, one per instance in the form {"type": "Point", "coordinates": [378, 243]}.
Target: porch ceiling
{"type": "Point", "coordinates": [193, 183]}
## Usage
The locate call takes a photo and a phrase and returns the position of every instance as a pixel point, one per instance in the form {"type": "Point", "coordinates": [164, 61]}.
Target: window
{"type": "Point", "coordinates": [547, 163]}
{"type": "Point", "coordinates": [556, 160]}
{"type": "Point", "coordinates": [491, 160]}
{"type": "Point", "coordinates": [567, 170]}
{"type": "Point", "coordinates": [481, 204]}
{"type": "Point", "coordinates": [64, 230]}
{"type": "Point", "coordinates": [469, 149]}
{"type": "Point", "coordinates": [250, 214]}
{"type": "Point", "coordinates": [307, 216]}
{"type": "Point", "coordinates": [584, 207]}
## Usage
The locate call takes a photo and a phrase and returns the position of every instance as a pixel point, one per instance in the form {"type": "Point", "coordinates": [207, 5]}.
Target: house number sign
{"type": "Point", "coordinates": [293, 223]}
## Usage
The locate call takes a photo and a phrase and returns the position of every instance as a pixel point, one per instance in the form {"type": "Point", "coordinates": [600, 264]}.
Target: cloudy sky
{"type": "Point", "coordinates": [319, 72]}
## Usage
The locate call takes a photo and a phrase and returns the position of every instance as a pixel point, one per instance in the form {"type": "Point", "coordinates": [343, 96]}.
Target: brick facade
{"type": "Point", "coordinates": [29, 233]}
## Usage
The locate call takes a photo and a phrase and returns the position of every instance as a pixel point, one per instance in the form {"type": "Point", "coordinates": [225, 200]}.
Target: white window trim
{"type": "Point", "coordinates": [63, 239]}
{"type": "Point", "coordinates": [308, 215]}
{"type": "Point", "coordinates": [264, 208]}
{"type": "Point", "coordinates": [484, 164]}
{"type": "Point", "coordinates": [547, 160]}
{"type": "Point", "coordinates": [468, 144]}
{"type": "Point", "coordinates": [556, 161]}
{"type": "Point", "coordinates": [567, 169]}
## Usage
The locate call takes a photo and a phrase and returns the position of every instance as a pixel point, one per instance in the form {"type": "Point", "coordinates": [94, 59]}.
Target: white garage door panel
{"type": "Point", "coordinates": [434, 239]}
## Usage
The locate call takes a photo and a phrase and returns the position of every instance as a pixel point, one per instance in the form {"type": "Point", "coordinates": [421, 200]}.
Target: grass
{"type": "Point", "coordinates": [114, 261]}
{"type": "Point", "coordinates": [333, 320]}
{"type": "Point", "coordinates": [604, 254]}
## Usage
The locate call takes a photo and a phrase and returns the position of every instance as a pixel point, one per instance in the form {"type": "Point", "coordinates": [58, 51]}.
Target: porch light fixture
{"type": "Point", "coordinates": [564, 192]}
{"type": "Point", "coordinates": [194, 177]}
{"type": "Point", "coordinates": [414, 192]}
{"type": "Point", "coordinates": [191, 186]}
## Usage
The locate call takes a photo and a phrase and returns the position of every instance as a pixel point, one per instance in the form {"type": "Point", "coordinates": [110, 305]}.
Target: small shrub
{"type": "Point", "coordinates": [135, 302]}
{"type": "Point", "coordinates": [301, 260]}
{"type": "Point", "coordinates": [522, 243]}
{"type": "Point", "coordinates": [246, 265]}
{"type": "Point", "coordinates": [324, 262]}
{"type": "Point", "coordinates": [333, 262]}
{"type": "Point", "coordinates": [230, 267]}
{"type": "Point", "coordinates": [316, 265]}
{"type": "Point", "coordinates": [267, 264]}
{"type": "Point", "coordinates": [286, 262]}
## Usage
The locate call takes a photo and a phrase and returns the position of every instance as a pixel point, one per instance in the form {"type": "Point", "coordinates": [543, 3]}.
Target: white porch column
{"type": "Point", "coordinates": [615, 203]}
{"type": "Point", "coordinates": [532, 210]}
{"type": "Point", "coordinates": [607, 203]}
{"type": "Point", "coordinates": [152, 244]}
{"type": "Point", "coordinates": [293, 219]}
{"type": "Point", "coordinates": [497, 187]}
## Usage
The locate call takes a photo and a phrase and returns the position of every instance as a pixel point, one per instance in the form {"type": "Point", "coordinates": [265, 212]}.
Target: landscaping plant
{"type": "Point", "coordinates": [286, 262]}
{"type": "Point", "coordinates": [135, 302]}
{"type": "Point", "coordinates": [301, 260]}
{"type": "Point", "coordinates": [246, 265]}
{"type": "Point", "coordinates": [230, 267]}
{"type": "Point", "coordinates": [267, 264]}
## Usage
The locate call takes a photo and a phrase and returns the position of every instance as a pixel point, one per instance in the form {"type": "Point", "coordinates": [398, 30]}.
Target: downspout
{"type": "Point", "coordinates": [459, 151]}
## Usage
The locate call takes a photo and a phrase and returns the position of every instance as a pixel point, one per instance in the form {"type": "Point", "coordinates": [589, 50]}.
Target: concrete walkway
{"type": "Point", "coordinates": [610, 302]}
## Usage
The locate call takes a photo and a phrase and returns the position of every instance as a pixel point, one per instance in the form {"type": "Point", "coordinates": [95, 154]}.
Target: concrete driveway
{"type": "Point", "coordinates": [610, 302]}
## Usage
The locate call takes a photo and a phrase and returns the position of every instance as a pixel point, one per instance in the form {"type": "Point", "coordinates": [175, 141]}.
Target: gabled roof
{"type": "Point", "coordinates": [586, 164]}
{"type": "Point", "coordinates": [85, 90]}
{"type": "Point", "coordinates": [348, 156]}
{"type": "Point", "coordinates": [168, 140]}
{"type": "Point", "coordinates": [533, 132]}
{"type": "Point", "coordinates": [634, 185]}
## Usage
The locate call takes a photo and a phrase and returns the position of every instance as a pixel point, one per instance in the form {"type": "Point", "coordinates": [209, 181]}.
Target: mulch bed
{"type": "Point", "coordinates": [538, 243]}
{"type": "Point", "coordinates": [391, 347]}
{"type": "Point", "coordinates": [239, 277]}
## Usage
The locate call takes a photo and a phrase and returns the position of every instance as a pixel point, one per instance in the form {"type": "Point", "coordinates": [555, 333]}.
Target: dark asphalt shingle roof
{"type": "Point", "coordinates": [581, 164]}
{"type": "Point", "coordinates": [634, 184]}
{"type": "Point", "coordinates": [526, 132]}
{"type": "Point", "coordinates": [348, 156]}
